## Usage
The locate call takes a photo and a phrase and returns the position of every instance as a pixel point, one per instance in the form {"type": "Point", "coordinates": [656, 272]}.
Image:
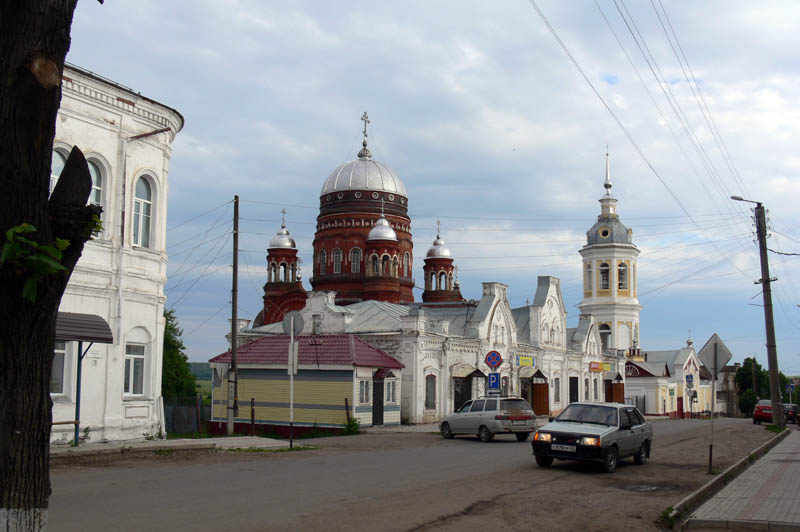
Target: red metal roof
{"type": "Point", "coordinates": [329, 350]}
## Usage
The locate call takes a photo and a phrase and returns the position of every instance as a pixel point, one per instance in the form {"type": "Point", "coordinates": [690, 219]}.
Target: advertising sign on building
{"type": "Point", "coordinates": [597, 366]}
{"type": "Point", "coordinates": [525, 360]}
{"type": "Point", "coordinates": [606, 366]}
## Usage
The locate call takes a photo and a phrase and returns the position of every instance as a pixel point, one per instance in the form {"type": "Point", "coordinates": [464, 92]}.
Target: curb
{"type": "Point", "coordinates": [73, 452]}
{"type": "Point", "coordinates": [680, 512]}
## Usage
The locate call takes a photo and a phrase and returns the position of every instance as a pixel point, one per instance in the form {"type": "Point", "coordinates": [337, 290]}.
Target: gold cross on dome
{"type": "Point", "coordinates": [365, 119]}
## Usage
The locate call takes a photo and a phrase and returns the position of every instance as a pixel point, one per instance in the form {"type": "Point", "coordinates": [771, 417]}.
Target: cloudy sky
{"type": "Point", "coordinates": [493, 129]}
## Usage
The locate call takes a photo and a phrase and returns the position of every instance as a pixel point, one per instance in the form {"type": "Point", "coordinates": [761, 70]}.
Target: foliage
{"type": "Point", "coordinates": [776, 429]}
{"type": "Point", "coordinates": [747, 402]}
{"type": "Point", "coordinates": [31, 259]}
{"type": "Point", "coordinates": [277, 450]}
{"type": "Point", "coordinates": [201, 370]}
{"type": "Point", "coordinates": [176, 379]}
{"type": "Point", "coordinates": [744, 383]}
{"type": "Point", "coordinates": [352, 427]}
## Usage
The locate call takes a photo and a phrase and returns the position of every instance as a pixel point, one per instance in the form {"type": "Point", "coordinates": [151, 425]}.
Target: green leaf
{"type": "Point", "coordinates": [17, 229]}
{"type": "Point", "coordinates": [62, 243]}
{"type": "Point", "coordinates": [29, 289]}
{"type": "Point", "coordinates": [43, 264]}
{"type": "Point", "coordinates": [50, 250]}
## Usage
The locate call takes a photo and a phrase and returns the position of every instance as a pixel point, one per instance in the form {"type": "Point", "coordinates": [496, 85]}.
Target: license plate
{"type": "Point", "coordinates": [559, 447]}
{"type": "Point", "coordinates": [518, 422]}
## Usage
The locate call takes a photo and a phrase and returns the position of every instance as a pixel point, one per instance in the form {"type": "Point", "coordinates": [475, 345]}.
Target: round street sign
{"type": "Point", "coordinates": [493, 359]}
{"type": "Point", "coordinates": [298, 323]}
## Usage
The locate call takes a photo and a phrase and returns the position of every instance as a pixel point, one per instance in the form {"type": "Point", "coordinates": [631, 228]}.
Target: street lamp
{"type": "Point", "coordinates": [769, 324]}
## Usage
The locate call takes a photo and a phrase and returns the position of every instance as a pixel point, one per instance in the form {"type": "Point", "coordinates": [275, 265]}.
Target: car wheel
{"type": "Point", "coordinates": [610, 460]}
{"type": "Point", "coordinates": [544, 461]}
{"type": "Point", "coordinates": [522, 436]}
{"type": "Point", "coordinates": [641, 456]}
{"type": "Point", "coordinates": [447, 434]}
{"type": "Point", "coordinates": [485, 434]}
{"type": "Point", "coordinates": [758, 422]}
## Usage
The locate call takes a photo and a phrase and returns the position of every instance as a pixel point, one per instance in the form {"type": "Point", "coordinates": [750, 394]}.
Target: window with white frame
{"type": "Point", "coordinates": [430, 391]}
{"type": "Point", "coordinates": [142, 213]}
{"type": "Point", "coordinates": [585, 389]}
{"type": "Point", "coordinates": [337, 260]}
{"type": "Point", "coordinates": [587, 280]}
{"type": "Point", "coordinates": [57, 375]}
{"type": "Point", "coordinates": [557, 390]}
{"type": "Point", "coordinates": [96, 197]}
{"type": "Point", "coordinates": [391, 391]}
{"type": "Point", "coordinates": [604, 276]}
{"type": "Point", "coordinates": [134, 369]}
{"type": "Point", "coordinates": [323, 259]}
{"type": "Point", "coordinates": [56, 167]}
{"type": "Point", "coordinates": [355, 260]}
{"type": "Point", "coordinates": [595, 390]}
{"type": "Point", "coordinates": [622, 276]}
{"type": "Point", "coordinates": [363, 392]}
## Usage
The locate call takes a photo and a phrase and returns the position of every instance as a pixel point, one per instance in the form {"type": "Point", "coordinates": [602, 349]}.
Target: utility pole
{"type": "Point", "coordinates": [769, 323]}
{"type": "Point", "coordinates": [233, 380]}
{"type": "Point", "coordinates": [755, 382]}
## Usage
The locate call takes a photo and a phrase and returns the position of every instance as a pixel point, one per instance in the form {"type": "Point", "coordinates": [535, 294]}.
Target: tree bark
{"type": "Point", "coordinates": [34, 40]}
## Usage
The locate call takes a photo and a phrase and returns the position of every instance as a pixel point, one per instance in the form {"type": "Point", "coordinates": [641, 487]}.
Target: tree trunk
{"type": "Point", "coordinates": [34, 39]}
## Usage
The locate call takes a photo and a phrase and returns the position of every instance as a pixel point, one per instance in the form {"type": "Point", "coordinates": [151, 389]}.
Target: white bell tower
{"type": "Point", "coordinates": [609, 276]}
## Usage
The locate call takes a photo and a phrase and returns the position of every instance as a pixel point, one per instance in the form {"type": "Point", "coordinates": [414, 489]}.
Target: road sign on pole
{"type": "Point", "coordinates": [714, 355]}
{"type": "Point", "coordinates": [493, 359]}
{"type": "Point", "coordinates": [494, 381]}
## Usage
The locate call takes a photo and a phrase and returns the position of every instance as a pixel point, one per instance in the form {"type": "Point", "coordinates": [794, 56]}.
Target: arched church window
{"type": "Point", "coordinates": [545, 333]}
{"type": "Point", "coordinates": [587, 280]}
{"type": "Point", "coordinates": [430, 392]}
{"type": "Point", "coordinates": [595, 389]}
{"type": "Point", "coordinates": [355, 260]}
{"type": "Point", "coordinates": [442, 283]}
{"type": "Point", "coordinates": [395, 267]}
{"type": "Point", "coordinates": [557, 390]}
{"type": "Point", "coordinates": [622, 276]}
{"type": "Point", "coordinates": [293, 276]}
{"type": "Point", "coordinates": [450, 281]}
{"type": "Point", "coordinates": [406, 265]}
{"type": "Point", "coordinates": [337, 260]}
{"type": "Point", "coordinates": [385, 265]}
{"type": "Point", "coordinates": [273, 273]}
{"type": "Point", "coordinates": [376, 265]}
{"type": "Point", "coordinates": [284, 272]}
{"type": "Point", "coordinates": [605, 334]}
{"type": "Point", "coordinates": [604, 276]}
{"type": "Point", "coordinates": [585, 389]}
{"type": "Point", "coordinates": [323, 259]}
{"type": "Point", "coordinates": [431, 281]}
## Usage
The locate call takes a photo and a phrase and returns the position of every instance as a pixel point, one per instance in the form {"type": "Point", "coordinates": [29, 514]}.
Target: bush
{"type": "Point", "coordinates": [747, 402]}
{"type": "Point", "coordinates": [352, 427]}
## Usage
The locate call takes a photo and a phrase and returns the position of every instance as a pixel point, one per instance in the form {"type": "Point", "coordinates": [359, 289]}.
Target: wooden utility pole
{"type": "Point", "coordinates": [233, 380]}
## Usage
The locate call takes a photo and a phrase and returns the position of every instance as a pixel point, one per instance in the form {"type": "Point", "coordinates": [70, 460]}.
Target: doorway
{"type": "Point", "coordinates": [377, 402]}
{"type": "Point", "coordinates": [573, 390]}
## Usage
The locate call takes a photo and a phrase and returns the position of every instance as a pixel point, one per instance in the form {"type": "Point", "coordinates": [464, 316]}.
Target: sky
{"type": "Point", "coordinates": [497, 126]}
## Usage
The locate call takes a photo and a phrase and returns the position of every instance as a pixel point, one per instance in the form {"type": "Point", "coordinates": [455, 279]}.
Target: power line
{"type": "Point", "coordinates": [199, 215]}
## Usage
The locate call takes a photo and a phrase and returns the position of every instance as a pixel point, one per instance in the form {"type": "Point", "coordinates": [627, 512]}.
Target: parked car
{"type": "Point", "coordinates": [490, 415]}
{"type": "Point", "coordinates": [791, 412]}
{"type": "Point", "coordinates": [603, 433]}
{"type": "Point", "coordinates": [762, 412]}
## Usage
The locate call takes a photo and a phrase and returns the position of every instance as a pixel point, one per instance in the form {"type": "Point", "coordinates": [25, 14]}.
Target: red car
{"type": "Point", "coordinates": [762, 412]}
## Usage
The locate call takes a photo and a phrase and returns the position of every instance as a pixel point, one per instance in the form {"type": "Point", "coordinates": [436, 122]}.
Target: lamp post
{"type": "Point", "coordinates": [772, 354]}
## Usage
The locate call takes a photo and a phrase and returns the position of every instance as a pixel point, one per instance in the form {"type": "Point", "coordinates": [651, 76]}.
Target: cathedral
{"type": "Point", "coordinates": [362, 285]}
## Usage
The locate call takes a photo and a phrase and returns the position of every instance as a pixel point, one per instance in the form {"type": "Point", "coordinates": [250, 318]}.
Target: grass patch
{"type": "Point", "coordinates": [165, 452]}
{"type": "Point", "coordinates": [775, 429]}
{"type": "Point", "coordinates": [278, 450]}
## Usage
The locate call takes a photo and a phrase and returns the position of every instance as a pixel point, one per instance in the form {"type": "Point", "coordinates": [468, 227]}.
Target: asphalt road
{"type": "Point", "coordinates": [401, 482]}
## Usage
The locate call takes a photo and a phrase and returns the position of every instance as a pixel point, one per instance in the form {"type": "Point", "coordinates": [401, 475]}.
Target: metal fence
{"type": "Point", "coordinates": [186, 415]}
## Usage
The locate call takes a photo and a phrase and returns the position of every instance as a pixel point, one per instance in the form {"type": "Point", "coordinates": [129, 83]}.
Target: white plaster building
{"type": "Point", "coordinates": [126, 139]}
{"type": "Point", "coordinates": [610, 285]}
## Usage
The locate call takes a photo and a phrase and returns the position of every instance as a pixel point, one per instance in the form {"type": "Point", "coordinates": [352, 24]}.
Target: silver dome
{"type": "Point", "coordinates": [364, 174]}
{"type": "Point", "coordinates": [438, 249]}
{"type": "Point", "coordinates": [282, 240]}
{"type": "Point", "coordinates": [382, 231]}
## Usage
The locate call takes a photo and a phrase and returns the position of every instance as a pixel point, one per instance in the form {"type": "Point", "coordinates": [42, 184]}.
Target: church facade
{"type": "Point", "coordinates": [362, 285]}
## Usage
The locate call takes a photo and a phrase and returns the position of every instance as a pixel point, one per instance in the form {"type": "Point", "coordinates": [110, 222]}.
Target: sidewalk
{"type": "Point", "coordinates": [200, 444]}
{"type": "Point", "coordinates": [389, 429]}
{"type": "Point", "coordinates": [765, 497]}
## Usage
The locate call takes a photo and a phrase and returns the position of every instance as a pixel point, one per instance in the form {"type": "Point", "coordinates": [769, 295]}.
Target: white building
{"type": "Point", "coordinates": [610, 285]}
{"type": "Point", "coordinates": [126, 139]}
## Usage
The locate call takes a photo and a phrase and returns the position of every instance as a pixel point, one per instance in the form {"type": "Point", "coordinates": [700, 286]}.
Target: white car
{"type": "Point", "coordinates": [490, 415]}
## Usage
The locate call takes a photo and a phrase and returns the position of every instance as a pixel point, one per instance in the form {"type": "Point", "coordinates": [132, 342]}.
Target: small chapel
{"type": "Point", "coordinates": [363, 285]}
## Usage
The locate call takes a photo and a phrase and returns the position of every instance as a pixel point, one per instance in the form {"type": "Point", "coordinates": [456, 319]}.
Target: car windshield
{"type": "Point", "coordinates": [597, 414]}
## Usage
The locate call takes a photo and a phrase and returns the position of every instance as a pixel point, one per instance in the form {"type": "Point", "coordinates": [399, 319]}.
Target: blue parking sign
{"type": "Point", "coordinates": [494, 381]}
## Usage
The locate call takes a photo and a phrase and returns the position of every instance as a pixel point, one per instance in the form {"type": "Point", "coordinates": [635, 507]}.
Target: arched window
{"type": "Point", "coordinates": [595, 389]}
{"type": "Point", "coordinates": [56, 167]}
{"type": "Point", "coordinates": [355, 260]}
{"type": "Point", "coordinates": [323, 261]}
{"type": "Point", "coordinates": [293, 277]}
{"type": "Point", "coordinates": [604, 276]}
{"type": "Point", "coordinates": [142, 213]}
{"type": "Point", "coordinates": [442, 284]}
{"type": "Point", "coordinates": [284, 272]}
{"type": "Point", "coordinates": [395, 267]}
{"type": "Point", "coordinates": [431, 281]}
{"type": "Point", "coordinates": [430, 392]}
{"type": "Point", "coordinates": [585, 389]}
{"type": "Point", "coordinates": [450, 281]}
{"type": "Point", "coordinates": [96, 197]}
{"type": "Point", "coordinates": [376, 265]}
{"type": "Point", "coordinates": [406, 265]}
{"type": "Point", "coordinates": [557, 390]}
{"type": "Point", "coordinates": [605, 334]}
{"type": "Point", "coordinates": [337, 260]}
{"type": "Point", "coordinates": [545, 333]}
{"type": "Point", "coordinates": [385, 265]}
{"type": "Point", "coordinates": [622, 276]}
{"type": "Point", "coordinates": [273, 273]}
{"type": "Point", "coordinates": [587, 279]}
